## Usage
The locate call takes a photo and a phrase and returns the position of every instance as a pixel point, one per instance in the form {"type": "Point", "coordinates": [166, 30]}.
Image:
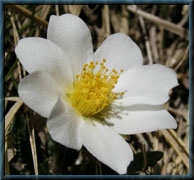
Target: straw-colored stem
{"type": "Point", "coordinates": [10, 115]}
{"type": "Point", "coordinates": [26, 12]}
{"type": "Point", "coordinates": [174, 28]}
{"type": "Point", "coordinates": [33, 146]}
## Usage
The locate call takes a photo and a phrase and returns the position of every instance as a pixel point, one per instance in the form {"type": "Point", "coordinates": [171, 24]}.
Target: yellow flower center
{"type": "Point", "coordinates": [93, 88]}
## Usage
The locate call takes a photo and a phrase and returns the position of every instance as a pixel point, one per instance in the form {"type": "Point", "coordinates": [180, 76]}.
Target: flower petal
{"type": "Point", "coordinates": [38, 54]}
{"type": "Point", "coordinates": [120, 52]}
{"type": "Point", "coordinates": [64, 125]}
{"type": "Point", "coordinates": [106, 145]}
{"type": "Point", "coordinates": [141, 118]}
{"type": "Point", "coordinates": [147, 84]}
{"type": "Point", "coordinates": [72, 35]}
{"type": "Point", "coordinates": [39, 91]}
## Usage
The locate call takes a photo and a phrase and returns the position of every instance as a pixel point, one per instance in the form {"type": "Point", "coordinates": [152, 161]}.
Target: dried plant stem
{"type": "Point", "coordinates": [75, 9]}
{"type": "Point", "coordinates": [147, 43]}
{"type": "Point", "coordinates": [16, 39]}
{"type": "Point", "coordinates": [7, 169]}
{"type": "Point", "coordinates": [153, 43]}
{"type": "Point", "coordinates": [8, 119]}
{"type": "Point", "coordinates": [184, 20]}
{"type": "Point", "coordinates": [183, 59]}
{"type": "Point", "coordinates": [144, 158]}
{"type": "Point", "coordinates": [176, 146]}
{"type": "Point", "coordinates": [174, 28]}
{"type": "Point", "coordinates": [179, 141]}
{"type": "Point", "coordinates": [184, 114]}
{"type": "Point", "coordinates": [106, 20]}
{"type": "Point", "coordinates": [15, 99]}
{"type": "Point", "coordinates": [28, 13]}
{"type": "Point", "coordinates": [57, 9]}
{"type": "Point", "coordinates": [15, 32]}
{"type": "Point", "coordinates": [10, 115]}
{"type": "Point", "coordinates": [33, 146]}
{"type": "Point", "coordinates": [44, 11]}
{"type": "Point", "coordinates": [105, 30]}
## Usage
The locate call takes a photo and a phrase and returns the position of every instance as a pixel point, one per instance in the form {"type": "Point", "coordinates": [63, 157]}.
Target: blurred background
{"type": "Point", "coordinates": [161, 32]}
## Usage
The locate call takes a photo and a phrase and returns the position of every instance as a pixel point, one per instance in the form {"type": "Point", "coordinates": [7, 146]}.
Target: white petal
{"type": "Point", "coordinates": [141, 118]}
{"type": "Point", "coordinates": [149, 84]}
{"type": "Point", "coordinates": [71, 34]}
{"type": "Point", "coordinates": [64, 125]}
{"type": "Point", "coordinates": [38, 54]}
{"type": "Point", "coordinates": [39, 92]}
{"type": "Point", "coordinates": [106, 145]}
{"type": "Point", "coordinates": [120, 52]}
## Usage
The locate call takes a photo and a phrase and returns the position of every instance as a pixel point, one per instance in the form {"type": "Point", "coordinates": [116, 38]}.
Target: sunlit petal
{"type": "Point", "coordinates": [39, 91]}
{"type": "Point", "coordinates": [140, 119]}
{"type": "Point", "coordinates": [72, 35]}
{"type": "Point", "coordinates": [64, 125]}
{"type": "Point", "coordinates": [106, 145]}
{"type": "Point", "coordinates": [148, 84]}
{"type": "Point", "coordinates": [120, 52]}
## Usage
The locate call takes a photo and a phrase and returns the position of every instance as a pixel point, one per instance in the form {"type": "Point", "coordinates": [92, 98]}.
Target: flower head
{"type": "Point", "coordinates": [93, 89]}
{"type": "Point", "coordinates": [91, 98]}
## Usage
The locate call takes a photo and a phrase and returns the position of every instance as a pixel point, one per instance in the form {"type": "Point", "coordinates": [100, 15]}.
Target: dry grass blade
{"type": "Point", "coordinates": [176, 29]}
{"type": "Point", "coordinates": [44, 11]}
{"type": "Point", "coordinates": [16, 35]}
{"type": "Point", "coordinates": [179, 141]}
{"type": "Point", "coordinates": [7, 169]}
{"type": "Point", "coordinates": [33, 146]}
{"type": "Point", "coordinates": [176, 146]}
{"type": "Point", "coordinates": [57, 9]}
{"type": "Point", "coordinates": [12, 99]}
{"type": "Point", "coordinates": [147, 43]}
{"type": "Point", "coordinates": [183, 59]}
{"type": "Point", "coordinates": [28, 13]}
{"type": "Point", "coordinates": [75, 9]}
{"type": "Point", "coordinates": [10, 115]}
{"type": "Point", "coordinates": [8, 119]}
{"type": "Point", "coordinates": [178, 112]}
{"type": "Point", "coordinates": [106, 20]}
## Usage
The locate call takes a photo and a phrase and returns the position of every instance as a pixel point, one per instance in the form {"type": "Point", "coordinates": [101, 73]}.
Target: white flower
{"type": "Point", "coordinates": [91, 98]}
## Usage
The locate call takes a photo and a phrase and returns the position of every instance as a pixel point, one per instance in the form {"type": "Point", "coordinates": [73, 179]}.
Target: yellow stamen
{"type": "Point", "coordinates": [93, 88]}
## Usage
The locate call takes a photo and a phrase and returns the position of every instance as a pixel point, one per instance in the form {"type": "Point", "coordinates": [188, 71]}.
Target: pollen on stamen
{"type": "Point", "coordinates": [93, 88]}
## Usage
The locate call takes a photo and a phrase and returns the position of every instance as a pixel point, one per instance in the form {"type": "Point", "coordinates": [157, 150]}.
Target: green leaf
{"type": "Point", "coordinates": [141, 163]}
{"type": "Point", "coordinates": [153, 157]}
